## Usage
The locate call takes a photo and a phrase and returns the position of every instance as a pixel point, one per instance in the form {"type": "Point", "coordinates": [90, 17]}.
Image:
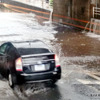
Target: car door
{"type": "Point", "coordinates": [12, 55]}
{"type": "Point", "coordinates": [3, 57]}
{"type": "Point", "coordinates": [7, 57]}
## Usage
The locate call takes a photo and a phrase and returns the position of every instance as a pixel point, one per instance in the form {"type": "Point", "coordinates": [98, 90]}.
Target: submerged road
{"type": "Point", "coordinates": [79, 57]}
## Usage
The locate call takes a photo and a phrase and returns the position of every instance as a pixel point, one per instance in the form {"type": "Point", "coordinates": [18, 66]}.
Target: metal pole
{"type": "Point", "coordinates": [93, 12]}
{"type": "Point", "coordinates": [96, 7]}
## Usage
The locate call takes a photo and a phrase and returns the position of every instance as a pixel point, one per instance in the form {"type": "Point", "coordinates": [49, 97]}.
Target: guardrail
{"type": "Point", "coordinates": [96, 11]}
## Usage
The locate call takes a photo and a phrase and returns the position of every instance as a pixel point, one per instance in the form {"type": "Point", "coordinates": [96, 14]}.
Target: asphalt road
{"type": "Point", "coordinates": [79, 57]}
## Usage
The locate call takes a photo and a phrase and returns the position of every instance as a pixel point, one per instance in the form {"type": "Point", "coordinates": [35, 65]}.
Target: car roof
{"type": "Point", "coordinates": [30, 44]}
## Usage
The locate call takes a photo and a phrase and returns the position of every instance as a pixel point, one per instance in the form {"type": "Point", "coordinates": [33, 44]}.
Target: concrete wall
{"type": "Point", "coordinates": [79, 9]}
{"type": "Point", "coordinates": [72, 8]}
{"type": "Point", "coordinates": [62, 7]}
{"type": "Point", "coordinates": [59, 7]}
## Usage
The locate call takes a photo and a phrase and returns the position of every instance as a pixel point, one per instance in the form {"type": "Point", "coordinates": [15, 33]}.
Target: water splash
{"type": "Point", "coordinates": [84, 31]}
{"type": "Point", "coordinates": [49, 23]}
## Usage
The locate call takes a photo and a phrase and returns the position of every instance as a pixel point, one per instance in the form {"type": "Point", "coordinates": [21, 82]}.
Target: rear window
{"type": "Point", "coordinates": [28, 51]}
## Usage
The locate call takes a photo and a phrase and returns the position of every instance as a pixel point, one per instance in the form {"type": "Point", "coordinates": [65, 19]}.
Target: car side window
{"type": "Point", "coordinates": [3, 48]}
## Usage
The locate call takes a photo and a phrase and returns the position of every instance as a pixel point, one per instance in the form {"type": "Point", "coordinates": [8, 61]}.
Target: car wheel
{"type": "Point", "coordinates": [11, 80]}
{"type": "Point", "coordinates": [51, 83]}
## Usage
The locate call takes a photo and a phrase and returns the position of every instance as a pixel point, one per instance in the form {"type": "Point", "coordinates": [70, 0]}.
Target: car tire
{"type": "Point", "coordinates": [11, 80]}
{"type": "Point", "coordinates": [51, 83]}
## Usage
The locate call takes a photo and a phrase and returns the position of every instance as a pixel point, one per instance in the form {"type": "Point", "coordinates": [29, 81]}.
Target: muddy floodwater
{"type": "Point", "coordinates": [79, 55]}
{"type": "Point", "coordinates": [76, 43]}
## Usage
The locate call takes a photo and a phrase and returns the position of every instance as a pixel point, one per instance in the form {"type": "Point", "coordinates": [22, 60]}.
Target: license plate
{"type": "Point", "coordinates": [39, 67]}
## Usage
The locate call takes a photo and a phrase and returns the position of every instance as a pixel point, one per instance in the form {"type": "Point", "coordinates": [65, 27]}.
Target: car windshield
{"type": "Point", "coordinates": [28, 51]}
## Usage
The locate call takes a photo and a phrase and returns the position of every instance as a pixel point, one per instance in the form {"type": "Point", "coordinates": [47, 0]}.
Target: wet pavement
{"type": "Point", "coordinates": [79, 57]}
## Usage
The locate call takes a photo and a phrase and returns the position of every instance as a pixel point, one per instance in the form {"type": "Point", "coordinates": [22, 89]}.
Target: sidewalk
{"type": "Point", "coordinates": [37, 3]}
